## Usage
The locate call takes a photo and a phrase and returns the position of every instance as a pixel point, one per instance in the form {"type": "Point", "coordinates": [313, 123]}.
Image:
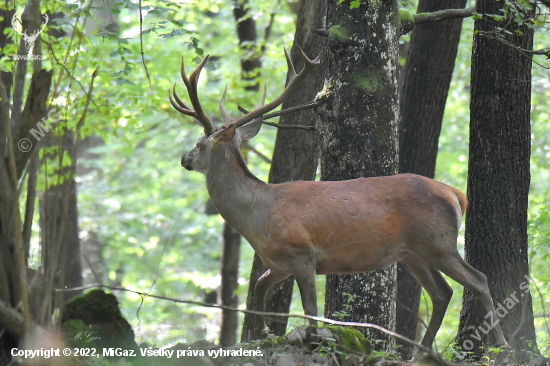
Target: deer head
{"type": "Point", "coordinates": [234, 130]}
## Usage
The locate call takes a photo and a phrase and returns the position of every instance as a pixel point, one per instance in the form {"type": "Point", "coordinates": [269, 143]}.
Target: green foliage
{"type": "Point", "coordinates": [348, 307]}
{"type": "Point", "coordinates": [339, 33]}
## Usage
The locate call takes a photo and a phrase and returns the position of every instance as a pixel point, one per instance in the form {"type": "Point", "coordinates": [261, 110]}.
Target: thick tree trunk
{"type": "Point", "coordinates": [428, 72]}
{"type": "Point", "coordinates": [358, 129]}
{"type": "Point", "coordinates": [294, 158]}
{"type": "Point", "coordinates": [498, 182]}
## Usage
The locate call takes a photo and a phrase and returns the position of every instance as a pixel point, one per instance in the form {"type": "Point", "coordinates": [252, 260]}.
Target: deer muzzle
{"type": "Point", "coordinates": [186, 162]}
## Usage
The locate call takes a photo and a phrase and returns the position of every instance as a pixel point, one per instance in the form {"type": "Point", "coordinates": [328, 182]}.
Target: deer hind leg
{"type": "Point", "coordinates": [268, 279]}
{"type": "Point", "coordinates": [304, 273]}
{"type": "Point", "coordinates": [475, 281]}
{"type": "Point", "coordinates": [439, 290]}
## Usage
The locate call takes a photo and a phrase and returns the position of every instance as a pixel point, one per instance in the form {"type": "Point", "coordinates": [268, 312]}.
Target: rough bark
{"type": "Point", "coordinates": [358, 129]}
{"type": "Point", "coordinates": [230, 282]}
{"type": "Point", "coordinates": [294, 158]}
{"type": "Point", "coordinates": [498, 181]}
{"type": "Point", "coordinates": [428, 71]}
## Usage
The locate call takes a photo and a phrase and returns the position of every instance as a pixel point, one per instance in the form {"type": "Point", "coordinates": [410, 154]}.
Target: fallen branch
{"type": "Point", "coordinates": [254, 312]}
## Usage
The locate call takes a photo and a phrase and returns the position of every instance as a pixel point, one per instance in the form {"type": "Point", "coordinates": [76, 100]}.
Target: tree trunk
{"type": "Point", "coordinates": [428, 72]}
{"type": "Point", "coordinates": [61, 259]}
{"type": "Point", "coordinates": [251, 62]}
{"type": "Point", "coordinates": [294, 158]}
{"type": "Point", "coordinates": [20, 115]}
{"type": "Point", "coordinates": [230, 282]}
{"type": "Point", "coordinates": [250, 67]}
{"type": "Point", "coordinates": [358, 129]}
{"type": "Point", "coordinates": [498, 182]}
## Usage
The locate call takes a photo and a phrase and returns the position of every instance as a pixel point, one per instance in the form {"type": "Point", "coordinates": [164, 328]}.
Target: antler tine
{"type": "Point", "coordinates": [294, 80]}
{"type": "Point", "coordinates": [225, 115]}
{"type": "Point", "coordinates": [191, 85]}
{"type": "Point", "coordinates": [180, 102]}
{"type": "Point", "coordinates": [180, 106]}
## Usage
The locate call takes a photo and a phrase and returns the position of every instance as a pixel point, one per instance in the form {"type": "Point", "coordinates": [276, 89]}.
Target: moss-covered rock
{"type": "Point", "coordinates": [352, 339]}
{"type": "Point", "coordinates": [94, 320]}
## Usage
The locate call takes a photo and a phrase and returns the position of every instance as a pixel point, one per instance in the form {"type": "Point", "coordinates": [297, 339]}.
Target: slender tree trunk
{"type": "Point", "coordinates": [358, 128]}
{"type": "Point", "coordinates": [428, 71]}
{"type": "Point", "coordinates": [498, 182]}
{"type": "Point", "coordinates": [61, 259]}
{"type": "Point", "coordinates": [230, 282]}
{"type": "Point", "coordinates": [251, 64]}
{"type": "Point", "coordinates": [294, 158]}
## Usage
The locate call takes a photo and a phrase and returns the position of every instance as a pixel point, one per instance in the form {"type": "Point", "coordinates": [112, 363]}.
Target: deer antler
{"type": "Point", "coordinates": [293, 80]}
{"type": "Point", "coordinates": [191, 85]}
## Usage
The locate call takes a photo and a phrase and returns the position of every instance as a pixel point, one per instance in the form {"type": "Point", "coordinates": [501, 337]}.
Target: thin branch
{"type": "Point", "coordinates": [71, 77]}
{"type": "Point", "coordinates": [91, 268]}
{"type": "Point", "coordinates": [527, 53]}
{"type": "Point", "coordinates": [297, 127]}
{"type": "Point", "coordinates": [18, 233]}
{"type": "Point", "coordinates": [285, 111]}
{"type": "Point", "coordinates": [141, 44]}
{"type": "Point", "coordinates": [247, 146]}
{"type": "Point", "coordinates": [542, 305]}
{"type": "Point", "coordinates": [80, 122]}
{"type": "Point", "coordinates": [269, 26]}
{"type": "Point", "coordinates": [312, 104]}
{"type": "Point", "coordinates": [254, 312]}
{"type": "Point", "coordinates": [32, 169]}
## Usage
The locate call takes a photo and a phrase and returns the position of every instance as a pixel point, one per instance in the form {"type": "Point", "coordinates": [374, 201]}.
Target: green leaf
{"type": "Point", "coordinates": [355, 4]}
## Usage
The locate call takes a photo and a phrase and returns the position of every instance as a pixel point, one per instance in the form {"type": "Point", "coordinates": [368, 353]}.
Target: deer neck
{"type": "Point", "coordinates": [235, 191]}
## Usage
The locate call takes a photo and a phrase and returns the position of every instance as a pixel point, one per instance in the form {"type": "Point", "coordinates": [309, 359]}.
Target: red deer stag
{"type": "Point", "coordinates": [306, 228]}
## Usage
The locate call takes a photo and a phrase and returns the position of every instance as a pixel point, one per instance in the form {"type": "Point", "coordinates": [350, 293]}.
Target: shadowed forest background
{"type": "Point", "coordinates": [99, 195]}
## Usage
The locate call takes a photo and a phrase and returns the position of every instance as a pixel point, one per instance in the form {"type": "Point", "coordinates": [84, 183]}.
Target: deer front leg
{"type": "Point", "coordinates": [304, 273]}
{"type": "Point", "coordinates": [268, 279]}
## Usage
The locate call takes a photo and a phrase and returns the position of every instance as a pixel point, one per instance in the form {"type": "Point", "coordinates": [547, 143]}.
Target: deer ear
{"type": "Point", "coordinates": [251, 129]}
{"type": "Point", "coordinates": [223, 135]}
